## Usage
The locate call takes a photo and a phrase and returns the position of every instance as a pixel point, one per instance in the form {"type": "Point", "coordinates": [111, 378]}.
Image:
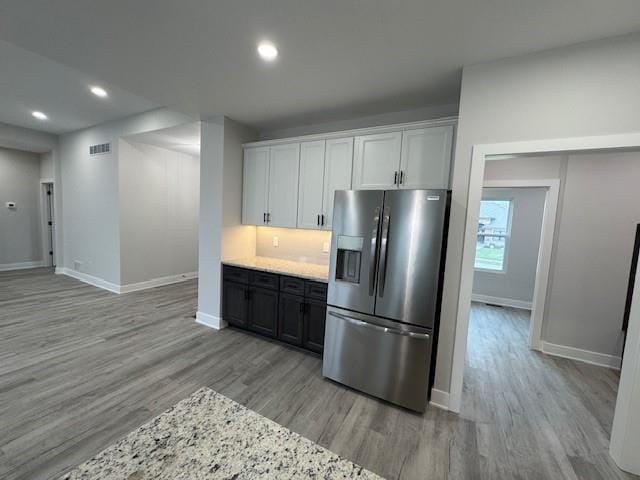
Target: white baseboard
{"type": "Point", "coordinates": [21, 265]}
{"type": "Point", "coordinates": [210, 321]}
{"type": "Point", "coordinates": [132, 287]}
{"type": "Point", "coordinates": [503, 302]}
{"type": "Point", "coordinates": [439, 399]}
{"type": "Point", "coordinates": [587, 356]}
{"type": "Point", "coordinates": [90, 279]}
{"type": "Point", "coordinates": [158, 282]}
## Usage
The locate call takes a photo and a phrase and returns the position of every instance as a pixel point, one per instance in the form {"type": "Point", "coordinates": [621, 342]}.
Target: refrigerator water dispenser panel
{"type": "Point", "coordinates": [348, 258]}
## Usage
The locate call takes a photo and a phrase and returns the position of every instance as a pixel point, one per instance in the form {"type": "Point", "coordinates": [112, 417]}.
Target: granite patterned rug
{"type": "Point", "coordinates": [208, 436]}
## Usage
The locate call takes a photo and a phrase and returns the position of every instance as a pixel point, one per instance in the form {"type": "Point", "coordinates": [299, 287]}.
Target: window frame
{"type": "Point", "coordinates": [507, 236]}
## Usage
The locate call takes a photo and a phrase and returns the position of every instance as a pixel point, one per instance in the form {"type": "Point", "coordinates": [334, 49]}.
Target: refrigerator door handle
{"type": "Point", "coordinates": [374, 251]}
{"type": "Point", "coordinates": [384, 244]}
{"type": "Point", "coordinates": [372, 326]}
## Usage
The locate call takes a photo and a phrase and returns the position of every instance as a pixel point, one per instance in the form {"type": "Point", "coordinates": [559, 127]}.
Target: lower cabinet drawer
{"type": "Point", "coordinates": [264, 280]}
{"type": "Point", "coordinates": [235, 274]}
{"type": "Point", "coordinates": [316, 290]}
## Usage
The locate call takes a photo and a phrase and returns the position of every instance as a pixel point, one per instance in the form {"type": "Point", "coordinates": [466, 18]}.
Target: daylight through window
{"type": "Point", "coordinates": [494, 228]}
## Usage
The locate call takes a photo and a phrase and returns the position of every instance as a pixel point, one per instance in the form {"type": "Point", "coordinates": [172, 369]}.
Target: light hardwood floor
{"type": "Point", "coordinates": [81, 367]}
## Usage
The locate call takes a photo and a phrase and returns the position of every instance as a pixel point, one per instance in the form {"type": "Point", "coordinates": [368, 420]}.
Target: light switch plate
{"type": "Point", "coordinates": [276, 242]}
{"type": "Point", "coordinates": [325, 247]}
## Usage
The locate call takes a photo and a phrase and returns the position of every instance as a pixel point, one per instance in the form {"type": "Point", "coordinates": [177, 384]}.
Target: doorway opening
{"type": "Point", "coordinates": [48, 223]}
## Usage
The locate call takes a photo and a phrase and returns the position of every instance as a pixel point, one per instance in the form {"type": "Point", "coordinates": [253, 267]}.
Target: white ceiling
{"type": "Point", "coordinates": [338, 58]}
{"type": "Point", "coordinates": [30, 82]}
{"type": "Point", "coordinates": [181, 138]}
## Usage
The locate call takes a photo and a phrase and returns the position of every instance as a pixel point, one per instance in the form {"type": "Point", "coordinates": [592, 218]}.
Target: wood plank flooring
{"type": "Point", "coordinates": [81, 367]}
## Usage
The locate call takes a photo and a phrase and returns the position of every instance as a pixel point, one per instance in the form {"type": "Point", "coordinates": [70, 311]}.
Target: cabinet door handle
{"type": "Point", "coordinates": [302, 308]}
{"type": "Point", "coordinates": [264, 218]}
{"type": "Point", "coordinates": [268, 217]}
{"type": "Point", "coordinates": [322, 219]}
{"type": "Point", "coordinates": [395, 177]}
{"type": "Point", "coordinates": [318, 221]}
{"type": "Point", "coordinates": [401, 176]}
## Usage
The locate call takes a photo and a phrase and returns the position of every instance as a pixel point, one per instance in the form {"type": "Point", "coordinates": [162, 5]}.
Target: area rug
{"type": "Point", "coordinates": [208, 436]}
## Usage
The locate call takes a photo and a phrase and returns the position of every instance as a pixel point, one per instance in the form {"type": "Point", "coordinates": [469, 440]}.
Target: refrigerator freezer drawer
{"type": "Point", "coordinates": [381, 358]}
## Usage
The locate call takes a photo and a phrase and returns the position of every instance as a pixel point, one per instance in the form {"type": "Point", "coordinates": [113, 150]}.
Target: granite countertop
{"type": "Point", "coordinates": [310, 271]}
{"type": "Point", "coordinates": [209, 436]}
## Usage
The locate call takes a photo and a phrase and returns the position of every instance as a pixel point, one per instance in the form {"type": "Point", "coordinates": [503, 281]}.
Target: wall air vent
{"type": "Point", "coordinates": [100, 149]}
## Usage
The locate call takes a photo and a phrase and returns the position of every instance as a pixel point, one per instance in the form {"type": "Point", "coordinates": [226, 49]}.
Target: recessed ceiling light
{"type": "Point", "coordinates": [267, 51]}
{"type": "Point", "coordinates": [99, 92]}
{"type": "Point", "coordinates": [39, 115]}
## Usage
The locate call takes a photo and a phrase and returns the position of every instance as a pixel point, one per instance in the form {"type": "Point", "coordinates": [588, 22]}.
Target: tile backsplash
{"type": "Point", "coordinates": [293, 244]}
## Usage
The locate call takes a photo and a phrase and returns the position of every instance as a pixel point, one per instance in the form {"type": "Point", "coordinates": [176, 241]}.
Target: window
{"type": "Point", "coordinates": [494, 228]}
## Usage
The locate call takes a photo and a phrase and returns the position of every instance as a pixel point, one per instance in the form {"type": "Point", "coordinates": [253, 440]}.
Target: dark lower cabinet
{"type": "Point", "coordinates": [291, 318]}
{"type": "Point", "coordinates": [235, 303]}
{"type": "Point", "coordinates": [263, 311]}
{"type": "Point", "coordinates": [288, 308]}
{"type": "Point", "coordinates": [314, 318]}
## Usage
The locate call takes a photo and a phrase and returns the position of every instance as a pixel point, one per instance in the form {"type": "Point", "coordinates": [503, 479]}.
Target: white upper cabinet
{"type": "Point", "coordinates": [426, 157]}
{"type": "Point", "coordinates": [338, 164]}
{"type": "Point", "coordinates": [310, 184]}
{"type": "Point", "coordinates": [294, 184]}
{"type": "Point", "coordinates": [376, 161]}
{"type": "Point", "coordinates": [284, 163]}
{"type": "Point", "coordinates": [255, 199]}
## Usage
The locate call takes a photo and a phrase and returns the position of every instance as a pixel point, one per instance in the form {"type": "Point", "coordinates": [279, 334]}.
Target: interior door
{"type": "Point", "coordinates": [354, 249]}
{"type": "Point", "coordinates": [255, 183]}
{"type": "Point", "coordinates": [311, 185]}
{"type": "Point", "coordinates": [377, 161]}
{"type": "Point", "coordinates": [284, 164]}
{"type": "Point", "coordinates": [426, 157]}
{"type": "Point", "coordinates": [411, 237]}
{"type": "Point", "coordinates": [338, 166]}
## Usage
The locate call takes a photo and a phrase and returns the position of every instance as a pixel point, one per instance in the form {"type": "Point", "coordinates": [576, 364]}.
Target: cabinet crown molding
{"type": "Point", "coordinates": [356, 132]}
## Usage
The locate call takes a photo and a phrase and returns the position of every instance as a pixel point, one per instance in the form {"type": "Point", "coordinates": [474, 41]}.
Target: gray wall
{"type": "Point", "coordinates": [425, 113]}
{"type": "Point", "coordinates": [90, 205]}
{"type": "Point", "coordinates": [20, 228]}
{"type": "Point", "coordinates": [46, 166]}
{"type": "Point", "coordinates": [588, 89]}
{"type": "Point", "coordinates": [518, 280]}
{"type": "Point", "coordinates": [590, 270]}
{"type": "Point", "coordinates": [159, 197]}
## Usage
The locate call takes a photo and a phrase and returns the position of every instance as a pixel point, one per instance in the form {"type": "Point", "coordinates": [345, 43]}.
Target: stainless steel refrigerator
{"type": "Point", "coordinates": [385, 283]}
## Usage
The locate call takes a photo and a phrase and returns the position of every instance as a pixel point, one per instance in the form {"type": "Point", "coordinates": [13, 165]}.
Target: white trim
{"type": "Point", "coordinates": [157, 282]}
{"type": "Point", "coordinates": [587, 356]}
{"type": "Point", "coordinates": [355, 132]}
{"type": "Point", "coordinates": [90, 279]}
{"type": "Point", "coordinates": [5, 267]}
{"type": "Point", "coordinates": [131, 287]}
{"type": "Point", "coordinates": [210, 321]}
{"type": "Point", "coordinates": [439, 399]}
{"type": "Point", "coordinates": [503, 302]}
{"type": "Point", "coordinates": [476, 177]}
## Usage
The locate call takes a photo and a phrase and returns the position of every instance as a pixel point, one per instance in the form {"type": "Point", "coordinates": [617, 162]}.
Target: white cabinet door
{"type": "Point", "coordinates": [426, 157]}
{"type": "Point", "coordinates": [376, 161]}
{"type": "Point", "coordinates": [284, 163]}
{"type": "Point", "coordinates": [338, 163]}
{"type": "Point", "coordinates": [310, 185]}
{"type": "Point", "coordinates": [255, 185]}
